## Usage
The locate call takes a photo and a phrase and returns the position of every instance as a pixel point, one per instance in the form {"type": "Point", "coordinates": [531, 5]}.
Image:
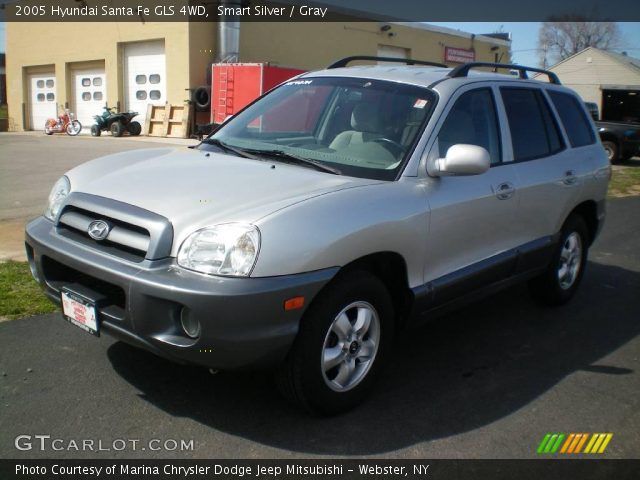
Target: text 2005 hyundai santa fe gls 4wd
{"type": "Point", "coordinates": [332, 211]}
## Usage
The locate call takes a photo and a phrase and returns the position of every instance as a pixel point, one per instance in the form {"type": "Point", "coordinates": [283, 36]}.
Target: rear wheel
{"type": "Point", "coordinates": [563, 275]}
{"type": "Point", "coordinates": [117, 129]}
{"type": "Point", "coordinates": [341, 345]}
{"type": "Point", "coordinates": [135, 128]}
{"type": "Point", "coordinates": [612, 151]}
{"type": "Point", "coordinates": [95, 131]}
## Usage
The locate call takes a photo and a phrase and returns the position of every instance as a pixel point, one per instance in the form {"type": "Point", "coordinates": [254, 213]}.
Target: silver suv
{"type": "Point", "coordinates": [334, 210]}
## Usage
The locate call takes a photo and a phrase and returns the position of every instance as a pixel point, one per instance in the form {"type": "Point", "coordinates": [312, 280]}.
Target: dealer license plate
{"type": "Point", "coordinates": [80, 311]}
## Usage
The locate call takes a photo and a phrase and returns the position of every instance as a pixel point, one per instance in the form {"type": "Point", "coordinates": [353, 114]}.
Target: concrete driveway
{"type": "Point", "coordinates": [31, 162]}
{"type": "Point", "coordinates": [488, 381]}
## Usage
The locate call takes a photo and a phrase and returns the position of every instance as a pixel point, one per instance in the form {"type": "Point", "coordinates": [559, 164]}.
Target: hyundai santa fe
{"type": "Point", "coordinates": [336, 209]}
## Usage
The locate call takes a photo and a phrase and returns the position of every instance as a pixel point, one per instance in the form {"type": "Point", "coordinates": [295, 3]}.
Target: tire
{"type": "Point", "coordinates": [345, 379]}
{"type": "Point", "coordinates": [95, 131]}
{"type": "Point", "coordinates": [202, 98]}
{"type": "Point", "coordinates": [560, 281]}
{"type": "Point", "coordinates": [612, 151]}
{"type": "Point", "coordinates": [117, 129]}
{"type": "Point", "coordinates": [47, 129]}
{"type": "Point", "coordinates": [135, 128]}
{"type": "Point", "coordinates": [74, 128]}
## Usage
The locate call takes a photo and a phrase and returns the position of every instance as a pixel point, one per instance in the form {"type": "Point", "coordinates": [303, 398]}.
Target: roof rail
{"type": "Point", "coordinates": [463, 70]}
{"type": "Point", "coordinates": [408, 61]}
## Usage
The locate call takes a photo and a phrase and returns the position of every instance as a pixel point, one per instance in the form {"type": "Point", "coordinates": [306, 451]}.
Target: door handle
{"type": "Point", "coordinates": [570, 177]}
{"type": "Point", "coordinates": [504, 191]}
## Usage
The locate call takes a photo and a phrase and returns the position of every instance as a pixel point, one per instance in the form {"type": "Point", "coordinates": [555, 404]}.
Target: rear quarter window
{"type": "Point", "coordinates": [573, 118]}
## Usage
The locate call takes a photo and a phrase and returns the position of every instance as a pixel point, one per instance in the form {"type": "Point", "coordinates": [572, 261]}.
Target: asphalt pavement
{"type": "Point", "coordinates": [488, 381]}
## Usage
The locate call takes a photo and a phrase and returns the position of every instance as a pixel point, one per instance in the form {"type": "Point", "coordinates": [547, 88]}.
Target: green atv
{"type": "Point", "coordinates": [115, 122]}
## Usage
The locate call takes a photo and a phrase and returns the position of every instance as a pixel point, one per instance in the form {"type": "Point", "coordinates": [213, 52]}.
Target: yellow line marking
{"type": "Point", "coordinates": [606, 442]}
{"type": "Point", "coordinates": [590, 444]}
{"type": "Point", "coordinates": [596, 445]}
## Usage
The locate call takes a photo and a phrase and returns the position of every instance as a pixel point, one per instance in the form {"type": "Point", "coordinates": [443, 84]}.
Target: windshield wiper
{"type": "Point", "coordinates": [225, 146]}
{"type": "Point", "coordinates": [297, 160]}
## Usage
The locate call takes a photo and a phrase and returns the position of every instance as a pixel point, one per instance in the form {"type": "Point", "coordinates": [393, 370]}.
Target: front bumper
{"type": "Point", "coordinates": [243, 320]}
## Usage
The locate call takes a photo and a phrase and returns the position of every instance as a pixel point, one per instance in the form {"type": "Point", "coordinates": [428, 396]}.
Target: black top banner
{"type": "Point", "coordinates": [316, 11]}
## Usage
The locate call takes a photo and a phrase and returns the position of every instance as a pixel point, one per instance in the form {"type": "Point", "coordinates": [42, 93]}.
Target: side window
{"type": "Point", "coordinates": [534, 132]}
{"type": "Point", "coordinates": [574, 120]}
{"type": "Point", "coordinates": [472, 120]}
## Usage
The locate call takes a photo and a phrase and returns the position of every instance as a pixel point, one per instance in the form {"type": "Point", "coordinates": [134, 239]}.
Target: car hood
{"type": "Point", "coordinates": [193, 188]}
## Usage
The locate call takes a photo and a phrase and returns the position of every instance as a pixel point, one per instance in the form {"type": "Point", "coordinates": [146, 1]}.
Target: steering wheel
{"type": "Point", "coordinates": [396, 148]}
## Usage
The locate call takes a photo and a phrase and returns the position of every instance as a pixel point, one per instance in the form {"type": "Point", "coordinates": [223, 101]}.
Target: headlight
{"type": "Point", "coordinates": [228, 249]}
{"type": "Point", "coordinates": [58, 193]}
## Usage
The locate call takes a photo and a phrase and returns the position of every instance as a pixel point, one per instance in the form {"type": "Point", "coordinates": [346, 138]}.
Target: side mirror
{"type": "Point", "coordinates": [463, 159]}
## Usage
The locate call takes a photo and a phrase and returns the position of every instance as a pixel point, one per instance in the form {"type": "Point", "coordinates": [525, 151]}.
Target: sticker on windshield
{"type": "Point", "coordinates": [299, 82]}
{"type": "Point", "coordinates": [420, 103]}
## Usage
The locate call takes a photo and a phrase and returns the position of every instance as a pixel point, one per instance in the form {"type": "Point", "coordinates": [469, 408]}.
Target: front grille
{"type": "Point", "coordinates": [135, 234]}
{"type": "Point", "coordinates": [125, 240]}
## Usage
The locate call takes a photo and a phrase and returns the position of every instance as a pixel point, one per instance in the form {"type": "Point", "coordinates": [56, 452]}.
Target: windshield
{"type": "Point", "coordinates": [356, 127]}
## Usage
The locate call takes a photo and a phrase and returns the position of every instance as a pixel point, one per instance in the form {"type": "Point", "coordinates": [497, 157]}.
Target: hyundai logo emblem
{"type": "Point", "coordinates": [98, 230]}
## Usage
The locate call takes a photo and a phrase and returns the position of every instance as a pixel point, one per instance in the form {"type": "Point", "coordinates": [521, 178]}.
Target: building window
{"type": "Point", "coordinates": [86, 82]}
{"type": "Point", "coordinates": [97, 82]}
{"type": "Point", "coordinates": [40, 84]}
{"type": "Point", "coordinates": [154, 78]}
{"type": "Point", "coordinates": [50, 97]}
{"type": "Point", "coordinates": [154, 94]}
{"type": "Point", "coordinates": [40, 97]}
{"type": "Point", "coordinates": [50, 83]}
{"type": "Point", "coordinates": [86, 96]}
{"type": "Point", "coordinates": [141, 79]}
{"type": "Point", "coordinates": [97, 96]}
{"type": "Point", "coordinates": [141, 95]}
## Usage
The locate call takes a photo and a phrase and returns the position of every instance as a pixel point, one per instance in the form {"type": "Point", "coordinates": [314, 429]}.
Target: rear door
{"type": "Point", "coordinates": [546, 169]}
{"type": "Point", "coordinates": [472, 217]}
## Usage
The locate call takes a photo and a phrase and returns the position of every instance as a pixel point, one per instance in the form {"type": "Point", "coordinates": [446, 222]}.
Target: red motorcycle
{"type": "Point", "coordinates": [64, 123]}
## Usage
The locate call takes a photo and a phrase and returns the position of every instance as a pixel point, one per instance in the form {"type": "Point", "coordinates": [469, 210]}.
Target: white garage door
{"type": "Point", "coordinates": [145, 76]}
{"type": "Point", "coordinates": [90, 93]}
{"type": "Point", "coordinates": [42, 99]}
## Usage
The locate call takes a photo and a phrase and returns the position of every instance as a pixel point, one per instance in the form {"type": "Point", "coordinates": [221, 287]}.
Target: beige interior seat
{"type": "Point", "coordinates": [366, 126]}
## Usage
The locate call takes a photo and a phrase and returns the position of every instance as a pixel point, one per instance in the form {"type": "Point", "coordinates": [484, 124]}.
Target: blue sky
{"type": "Point", "coordinates": [524, 35]}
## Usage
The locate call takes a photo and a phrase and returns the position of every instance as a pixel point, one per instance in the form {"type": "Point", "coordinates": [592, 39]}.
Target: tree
{"type": "Point", "coordinates": [562, 37]}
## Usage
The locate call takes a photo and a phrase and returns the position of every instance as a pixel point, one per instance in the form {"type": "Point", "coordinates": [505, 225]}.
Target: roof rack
{"type": "Point", "coordinates": [408, 61]}
{"type": "Point", "coordinates": [463, 70]}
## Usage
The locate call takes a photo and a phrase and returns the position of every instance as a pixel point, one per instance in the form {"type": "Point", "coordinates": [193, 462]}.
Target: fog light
{"type": "Point", "coordinates": [190, 325]}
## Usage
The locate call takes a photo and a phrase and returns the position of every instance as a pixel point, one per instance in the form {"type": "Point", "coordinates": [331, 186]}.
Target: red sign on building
{"type": "Point", "coordinates": [459, 55]}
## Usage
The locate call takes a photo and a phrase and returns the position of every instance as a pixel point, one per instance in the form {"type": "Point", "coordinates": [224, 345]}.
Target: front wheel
{"type": "Point", "coordinates": [74, 128]}
{"type": "Point", "coordinates": [560, 281]}
{"type": "Point", "coordinates": [341, 345]}
{"type": "Point", "coordinates": [612, 151]}
{"type": "Point", "coordinates": [95, 131]}
{"type": "Point", "coordinates": [117, 129]}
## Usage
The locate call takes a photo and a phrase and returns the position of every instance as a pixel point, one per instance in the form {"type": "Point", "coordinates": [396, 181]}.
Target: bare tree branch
{"type": "Point", "coordinates": [562, 37]}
